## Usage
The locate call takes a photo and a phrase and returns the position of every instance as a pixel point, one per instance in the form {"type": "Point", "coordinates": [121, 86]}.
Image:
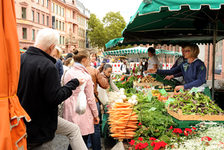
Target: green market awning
{"type": "Point", "coordinates": [114, 42]}
{"type": "Point", "coordinates": [138, 50]}
{"type": "Point", "coordinates": [176, 22]}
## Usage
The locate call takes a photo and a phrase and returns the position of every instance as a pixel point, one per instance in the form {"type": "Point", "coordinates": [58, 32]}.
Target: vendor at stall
{"type": "Point", "coordinates": [125, 68]}
{"type": "Point", "coordinates": [180, 60]}
{"type": "Point", "coordinates": [153, 62]}
{"type": "Point", "coordinates": [194, 70]}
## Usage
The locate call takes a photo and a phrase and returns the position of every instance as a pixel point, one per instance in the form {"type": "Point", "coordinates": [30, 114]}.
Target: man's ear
{"type": "Point", "coordinates": [51, 48]}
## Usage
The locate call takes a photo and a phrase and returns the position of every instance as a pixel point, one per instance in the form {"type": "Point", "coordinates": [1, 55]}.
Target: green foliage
{"type": "Point", "coordinates": [101, 32]}
{"type": "Point", "coordinates": [114, 24]}
{"type": "Point", "coordinates": [195, 104]}
{"type": "Point", "coordinates": [127, 83]}
{"type": "Point", "coordinates": [96, 32]}
{"type": "Point", "coordinates": [154, 118]}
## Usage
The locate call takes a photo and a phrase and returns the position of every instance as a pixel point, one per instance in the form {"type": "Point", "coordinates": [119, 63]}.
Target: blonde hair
{"type": "Point", "coordinates": [80, 54]}
{"type": "Point", "coordinates": [194, 50]}
{"type": "Point", "coordinates": [58, 51]}
{"type": "Point", "coordinates": [68, 62]}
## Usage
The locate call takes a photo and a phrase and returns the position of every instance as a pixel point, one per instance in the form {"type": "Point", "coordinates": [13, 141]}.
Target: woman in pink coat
{"type": "Point", "coordinates": [87, 120]}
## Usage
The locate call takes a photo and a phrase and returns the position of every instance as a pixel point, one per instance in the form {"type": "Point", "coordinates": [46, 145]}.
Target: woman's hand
{"type": "Point", "coordinates": [101, 67]}
{"type": "Point", "coordinates": [81, 81]}
{"type": "Point", "coordinates": [169, 77]}
{"type": "Point", "coordinates": [177, 88]}
{"type": "Point", "coordinates": [152, 70]}
{"type": "Point", "coordinates": [96, 120]}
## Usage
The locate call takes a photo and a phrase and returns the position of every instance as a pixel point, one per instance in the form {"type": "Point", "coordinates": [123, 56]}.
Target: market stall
{"type": "Point", "coordinates": [177, 22]}
{"type": "Point", "coordinates": [177, 119]}
{"type": "Point", "coordinates": [141, 52]}
{"type": "Point", "coordinates": [161, 119]}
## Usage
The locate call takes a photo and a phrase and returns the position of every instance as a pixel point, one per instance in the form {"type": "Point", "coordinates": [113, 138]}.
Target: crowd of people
{"type": "Point", "coordinates": [188, 69]}
{"type": "Point", "coordinates": [49, 89]}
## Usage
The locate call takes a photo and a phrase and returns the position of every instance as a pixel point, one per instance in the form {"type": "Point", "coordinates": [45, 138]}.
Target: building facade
{"type": "Point", "coordinates": [31, 16]}
{"type": "Point", "coordinates": [82, 18]}
{"type": "Point", "coordinates": [58, 14]}
{"type": "Point", "coordinates": [62, 15]}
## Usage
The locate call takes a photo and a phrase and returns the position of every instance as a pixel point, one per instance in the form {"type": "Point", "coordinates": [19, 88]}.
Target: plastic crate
{"type": "Point", "coordinates": [172, 82]}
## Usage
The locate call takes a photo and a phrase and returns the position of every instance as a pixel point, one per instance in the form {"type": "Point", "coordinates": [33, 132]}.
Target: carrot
{"type": "Point", "coordinates": [123, 121]}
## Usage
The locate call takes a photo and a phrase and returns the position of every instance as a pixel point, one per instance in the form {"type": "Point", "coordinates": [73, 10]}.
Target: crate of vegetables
{"type": "Point", "coordinates": [194, 106]}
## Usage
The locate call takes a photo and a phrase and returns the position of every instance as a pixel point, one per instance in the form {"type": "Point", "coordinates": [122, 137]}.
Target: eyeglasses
{"type": "Point", "coordinates": [187, 51]}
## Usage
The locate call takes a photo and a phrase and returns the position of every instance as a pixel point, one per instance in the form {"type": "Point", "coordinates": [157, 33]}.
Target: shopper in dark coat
{"type": "Point", "coordinates": [39, 88]}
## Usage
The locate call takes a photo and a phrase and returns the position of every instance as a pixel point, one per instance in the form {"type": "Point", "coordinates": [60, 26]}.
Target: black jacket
{"type": "Point", "coordinates": [40, 92]}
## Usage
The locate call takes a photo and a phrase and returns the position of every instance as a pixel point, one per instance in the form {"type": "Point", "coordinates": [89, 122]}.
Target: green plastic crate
{"type": "Point", "coordinates": [172, 82]}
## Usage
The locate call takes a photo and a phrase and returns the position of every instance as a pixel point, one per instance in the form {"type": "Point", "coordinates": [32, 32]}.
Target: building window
{"type": "Point", "coordinates": [59, 25]}
{"type": "Point", "coordinates": [73, 28]}
{"type": "Point", "coordinates": [73, 2]}
{"type": "Point", "coordinates": [24, 33]}
{"type": "Point", "coordinates": [47, 3]}
{"type": "Point", "coordinates": [52, 7]}
{"type": "Point", "coordinates": [62, 12]}
{"type": "Point", "coordinates": [33, 34]}
{"type": "Point", "coordinates": [73, 15]}
{"type": "Point", "coordinates": [56, 25]}
{"type": "Point", "coordinates": [53, 22]}
{"type": "Point", "coordinates": [218, 57]}
{"type": "Point", "coordinates": [37, 1]}
{"type": "Point", "coordinates": [23, 12]}
{"type": "Point", "coordinates": [43, 2]}
{"type": "Point", "coordinates": [59, 10]}
{"type": "Point", "coordinates": [63, 26]}
{"type": "Point", "coordinates": [60, 40]}
{"type": "Point", "coordinates": [63, 40]}
{"type": "Point", "coordinates": [56, 9]}
{"type": "Point", "coordinates": [47, 20]}
{"type": "Point", "coordinates": [33, 16]}
{"type": "Point", "coordinates": [43, 17]}
{"type": "Point", "coordinates": [38, 17]}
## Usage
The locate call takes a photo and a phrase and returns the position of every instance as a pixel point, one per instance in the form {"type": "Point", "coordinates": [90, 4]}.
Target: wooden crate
{"type": "Point", "coordinates": [147, 84]}
{"type": "Point", "coordinates": [180, 116]}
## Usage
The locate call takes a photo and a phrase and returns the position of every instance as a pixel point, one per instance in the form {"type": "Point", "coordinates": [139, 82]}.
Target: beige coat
{"type": "Point", "coordinates": [98, 78]}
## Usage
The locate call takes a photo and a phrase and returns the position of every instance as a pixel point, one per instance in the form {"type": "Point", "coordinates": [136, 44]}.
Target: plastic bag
{"type": "Point", "coordinates": [102, 95]}
{"type": "Point", "coordinates": [80, 107]}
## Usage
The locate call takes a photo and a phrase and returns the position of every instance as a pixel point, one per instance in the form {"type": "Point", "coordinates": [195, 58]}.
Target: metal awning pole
{"type": "Point", "coordinates": [213, 59]}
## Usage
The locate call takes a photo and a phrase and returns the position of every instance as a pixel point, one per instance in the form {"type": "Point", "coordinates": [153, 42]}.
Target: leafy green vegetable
{"type": "Point", "coordinates": [195, 104]}
{"type": "Point", "coordinates": [154, 117]}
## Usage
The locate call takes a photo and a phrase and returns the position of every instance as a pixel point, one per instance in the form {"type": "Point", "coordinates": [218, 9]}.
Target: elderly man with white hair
{"type": "Point", "coordinates": [40, 93]}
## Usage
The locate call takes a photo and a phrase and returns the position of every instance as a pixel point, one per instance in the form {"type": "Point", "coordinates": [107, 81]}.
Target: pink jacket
{"type": "Point", "coordinates": [85, 121]}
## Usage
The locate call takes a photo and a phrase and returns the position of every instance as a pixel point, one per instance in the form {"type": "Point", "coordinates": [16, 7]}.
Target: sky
{"type": "Point", "coordinates": [127, 8]}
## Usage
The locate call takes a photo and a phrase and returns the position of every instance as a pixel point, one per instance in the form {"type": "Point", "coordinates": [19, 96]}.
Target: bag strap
{"type": "Point", "coordinates": [63, 77]}
{"type": "Point", "coordinates": [97, 98]}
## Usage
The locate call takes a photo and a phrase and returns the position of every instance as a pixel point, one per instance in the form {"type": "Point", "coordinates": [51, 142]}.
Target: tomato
{"type": "Point", "coordinates": [122, 78]}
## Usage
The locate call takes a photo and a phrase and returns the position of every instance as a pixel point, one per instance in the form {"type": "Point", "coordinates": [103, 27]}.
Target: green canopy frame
{"type": "Point", "coordinates": [177, 22]}
{"type": "Point", "coordinates": [139, 50]}
{"type": "Point", "coordinates": [114, 42]}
